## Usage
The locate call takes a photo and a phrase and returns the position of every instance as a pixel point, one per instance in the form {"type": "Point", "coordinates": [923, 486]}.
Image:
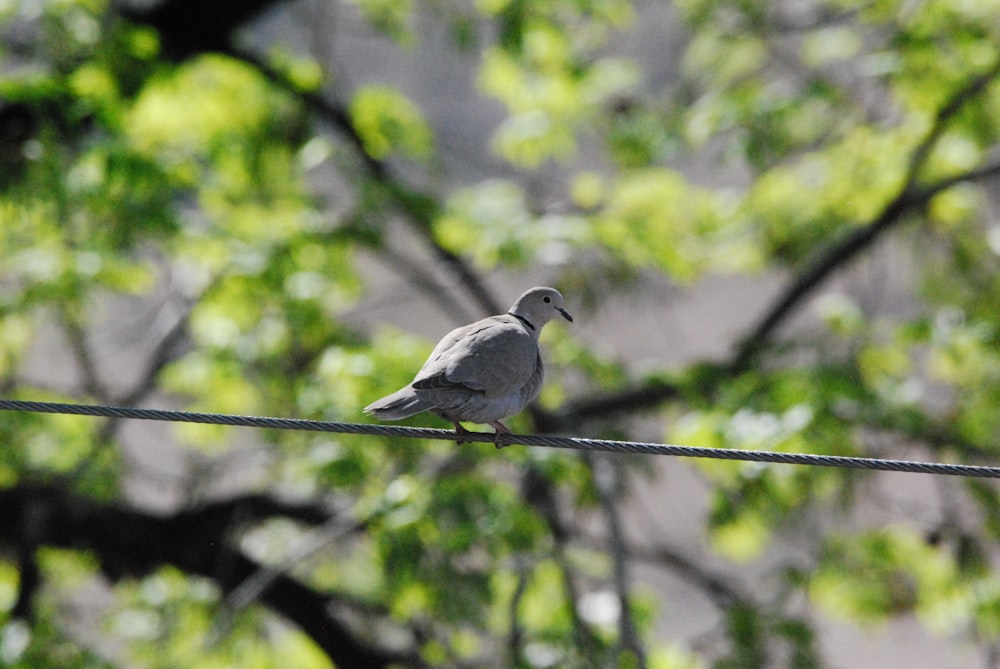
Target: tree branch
{"type": "Point", "coordinates": [908, 198]}
{"type": "Point", "coordinates": [420, 208]}
{"type": "Point", "coordinates": [607, 482]}
{"type": "Point", "coordinates": [164, 353]}
{"type": "Point", "coordinates": [658, 390]}
{"type": "Point", "coordinates": [416, 275]}
{"type": "Point", "coordinates": [32, 520]}
{"type": "Point", "coordinates": [190, 27]}
{"type": "Point", "coordinates": [538, 491]}
{"type": "Point", "coordinates": [723, 593]}
{"type": "Point", "coordinates": [77, 337]}
{"type": "Point", "coordinates": [128, 542]}
{"type": "Point", "coordinates": [318, 538]}
{"type": "Point", "coordinates": [945, 113]}
{"type": "Point", "coordinates": [839, 253]}
{"type": "Point", "coordinates": [515, 636]}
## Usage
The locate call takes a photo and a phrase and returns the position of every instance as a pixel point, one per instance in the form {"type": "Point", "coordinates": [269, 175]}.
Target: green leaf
{"type": "Point", "coordinates": [388, 122]}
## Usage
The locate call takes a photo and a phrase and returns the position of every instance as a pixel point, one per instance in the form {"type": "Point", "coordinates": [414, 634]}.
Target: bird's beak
{"type": "Point", "coordinates": [565, 314]}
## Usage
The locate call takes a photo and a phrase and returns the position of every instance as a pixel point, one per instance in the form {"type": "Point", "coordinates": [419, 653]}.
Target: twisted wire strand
{"type": "Point", "coordinates": [573, 443]}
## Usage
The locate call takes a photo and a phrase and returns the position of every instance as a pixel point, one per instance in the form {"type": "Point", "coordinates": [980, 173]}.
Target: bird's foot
{"type": "Point", "coordinates": [501, 433]}
{"type": "Point", "coordinates": [460, 433]}
{"type": "Point", "coordinates": [499, 436]}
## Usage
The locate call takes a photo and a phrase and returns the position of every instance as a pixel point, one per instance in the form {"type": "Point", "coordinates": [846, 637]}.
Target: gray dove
{"type": "Point", "coordinates": [481, 372]}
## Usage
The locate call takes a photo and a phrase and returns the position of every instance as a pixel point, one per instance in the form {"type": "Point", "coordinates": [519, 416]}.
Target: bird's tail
{"type": "Point", "coordinates": [401, 404]}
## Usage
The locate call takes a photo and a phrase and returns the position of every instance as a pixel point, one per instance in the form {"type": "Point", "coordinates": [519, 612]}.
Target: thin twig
{"type": "Point", "coordinates": [539, 493]}
{"type": "Point", "coordinates": [838, 254]}
{"type": "Point", "coordinates": [515, 635]}
{"type": "Point", "coordinates": [655, 391]}
{"type": "Point", "coordinates": [416, 275]}
{"type": "Point", "coordinates": [946, 113]}
{"type": "Point", "coordinates": [77, 338]}
{"type": "Point", "coordinates": [909, 197]}
{"type": "Point", "coordinates": [251, 588]}
{"type": "Point", "coordinates": [606, 477]}
{"type": "Point", "coordinates": [420, 208]}
{"type": "Point", "coordinates": [722, 593]}
{"type": "Point", "coordinates": [160, 357]}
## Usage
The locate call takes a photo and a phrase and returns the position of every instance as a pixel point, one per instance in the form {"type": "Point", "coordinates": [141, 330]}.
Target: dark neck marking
{"type": "Point", "coordinates": [523, 320]}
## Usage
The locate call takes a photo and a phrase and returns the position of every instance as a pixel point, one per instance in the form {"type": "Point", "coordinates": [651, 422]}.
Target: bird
{"type": "Point", "coordinates": [483, 371]}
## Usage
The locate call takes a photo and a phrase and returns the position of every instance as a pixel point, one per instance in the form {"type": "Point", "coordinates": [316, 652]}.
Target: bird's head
{"type": "Point", "coordinates": [540, 305]}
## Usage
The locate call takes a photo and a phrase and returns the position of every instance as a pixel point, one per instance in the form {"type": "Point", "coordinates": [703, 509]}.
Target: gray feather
{"type": "Point", "coordinates": [401, 404]}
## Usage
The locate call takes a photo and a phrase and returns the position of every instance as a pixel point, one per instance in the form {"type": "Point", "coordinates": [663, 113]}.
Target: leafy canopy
{"type": "Point", "coordinates": [187, 225]}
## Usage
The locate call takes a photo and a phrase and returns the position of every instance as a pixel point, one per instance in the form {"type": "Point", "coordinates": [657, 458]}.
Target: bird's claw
{"type": "Point", "coordinates": [500, 435]}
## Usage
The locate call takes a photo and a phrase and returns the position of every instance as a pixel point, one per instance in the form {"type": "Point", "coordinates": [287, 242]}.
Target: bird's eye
{"type": "Point", "coordinates": [546, 300]}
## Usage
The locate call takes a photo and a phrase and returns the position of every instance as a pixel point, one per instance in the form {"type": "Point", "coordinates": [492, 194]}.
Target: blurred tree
{"type": "Point", "coordinates": [152, 164]}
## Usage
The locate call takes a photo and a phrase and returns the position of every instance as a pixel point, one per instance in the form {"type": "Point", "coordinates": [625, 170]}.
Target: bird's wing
{"type": "Point", "coordinates": [495, 356]}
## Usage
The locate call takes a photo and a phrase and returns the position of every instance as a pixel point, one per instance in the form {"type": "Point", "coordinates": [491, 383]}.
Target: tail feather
{"type": "Point", "coordinates": [401, 404]}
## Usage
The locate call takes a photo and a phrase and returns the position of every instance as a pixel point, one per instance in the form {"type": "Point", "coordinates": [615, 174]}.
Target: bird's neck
{"type": "Point", "coordinates": [528, 324]}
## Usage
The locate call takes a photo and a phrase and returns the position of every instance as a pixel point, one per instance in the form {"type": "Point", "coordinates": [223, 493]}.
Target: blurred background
{"type": "Point", "coordinates": [777, 225]}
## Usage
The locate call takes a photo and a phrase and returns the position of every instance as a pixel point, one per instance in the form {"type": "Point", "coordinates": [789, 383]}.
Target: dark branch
{"type": "Point", "coordinates": [839, 253]}
{"type": "Point", "coordinates": [515, 636]}
{"type": "Point", "coordinates": [254, 508]}
{"type": "Point", "coordinates": [539, 492]}
{"type": "Point", "coordinates": [165, 352]}
{"type": "Point", "coordinates": [948, 110]}
{"type": "Point", "coordinates": [32, 521]}
{"type": "Point", "coordinates": [600, 405]}
{"type": "Point", "coordinates": [128, 542]}
{"type": "Point", "coordinates": [419, 208]}
{"type": "Point", "coordinates": [721, 591]}
{"type": "Point", "coordinates": [190, 27]}
{"type": "Point", "coordinates": [607, 483]}
{"type": "Point", "coordinates": [910, 197]}
{"type": "Point", "coordinates": [77, 336]}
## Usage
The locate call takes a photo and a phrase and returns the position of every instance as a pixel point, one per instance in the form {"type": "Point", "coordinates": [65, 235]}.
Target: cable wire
{"type": "Point", "coordinates": [574, 443]}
